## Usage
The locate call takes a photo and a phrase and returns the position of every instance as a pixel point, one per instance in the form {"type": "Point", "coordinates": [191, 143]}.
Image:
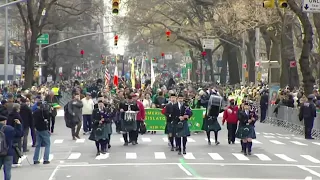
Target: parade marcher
{"type": "Point", "coordinates": [87, 110]}
{"type": "Point", "coordinates": [210, 122]}
{"type": "Point", "coordinates": [51, 99]}
{"type": "Point", "coordinates": [41, 120]}
{"type": "Point", "coordinates": [231, 116]}
{"type": "Point", "coordinates": [246, 132]}
{"type": "Point", "coordinates": [308, 114]}
{"type": "Point", "coordinates": [171, 112]}
{"type": "Point", "coordinates": [102, 127]}
{"type": "Point", "coordinates": [75, 110]}
{"type": "Point", "coordinates": [264, 102]}
{"type": "Point", "coordinates": [139, 118]}
{"type": "Point", "coordinates": [182, 126]}
{"type": "Point", "coordinates": [128, 116]}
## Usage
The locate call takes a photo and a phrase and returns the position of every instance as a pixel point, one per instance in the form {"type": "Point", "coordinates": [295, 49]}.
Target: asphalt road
{"type": "Point", "coordinates": [277, 154]}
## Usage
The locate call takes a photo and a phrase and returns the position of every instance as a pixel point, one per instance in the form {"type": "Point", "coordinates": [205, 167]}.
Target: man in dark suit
{"type": "Point", "coordinates": [172, 116]}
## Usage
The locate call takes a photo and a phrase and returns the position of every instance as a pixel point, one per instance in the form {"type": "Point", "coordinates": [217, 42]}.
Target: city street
{"type": "Point", "coordinates": [277, 154]}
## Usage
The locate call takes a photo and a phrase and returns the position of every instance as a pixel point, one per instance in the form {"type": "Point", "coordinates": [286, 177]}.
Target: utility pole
{"type": "Point", "coordinates": [6, 45]}
{"type": "Point", "coordinates": [257, 55]}
{"type": "Point", "coordinates": [243, 57]}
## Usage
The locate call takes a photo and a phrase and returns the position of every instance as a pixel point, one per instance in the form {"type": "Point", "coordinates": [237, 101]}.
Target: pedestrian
{"type": "Point", "coordinates": [75, 110]}
{"type": "Point", "coordinates": [230, 116]}
{"type": "Point", "coordinates": [88, 106]}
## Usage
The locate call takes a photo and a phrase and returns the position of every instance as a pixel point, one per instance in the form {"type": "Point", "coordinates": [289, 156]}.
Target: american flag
{"type": "Point", "coordinates": [107, 77]}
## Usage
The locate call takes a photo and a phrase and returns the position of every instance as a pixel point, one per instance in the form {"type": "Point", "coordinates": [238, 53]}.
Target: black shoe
{"type": "Point", "coordinates": [25, 151]}
{"type": "Point", "coordinates": [249, 153]}
{"type": "Point", "coordinates": [233, 142]}
{"type": "Point", "coordinates": [209, 143]}
{"type": "Point", "coordinates": [229, 142]}
{"type": "Point", "coordinates": [130, 141]}
{"type": "Point", "coordinates": [242, 151]}
{"type": "Point", "coordinates": [172, 148]}
{"type": "Point", "coordinates": [36, 162]}
{"type": "Point", "coordinates": [179, 153]}
{"type": "Point", "coordinates": [134, 142]}
{"type": "Point", "coordinates": [109, 146]}
{"type": "Point", "coordinates": [184, 152]}
{"type": "Point", "coordinates": [46, 162]}
{"type": "Point", "coordinates": [309, 138]}
{"type": "Point", "coordinates": [98, 153]}
{"type": "Point", "coordinates": [217, 142]}
{"type": "Point", "coordinates": [126, 144]}
{"type": "Point", "coordinates": [177, 148]}
{"type": "Point", "coordinates": [33, 145]}
{"type": "Point", "coordinates": [245, 153]}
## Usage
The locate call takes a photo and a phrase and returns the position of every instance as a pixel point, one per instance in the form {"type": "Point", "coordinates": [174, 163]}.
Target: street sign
{"type": "Point", "coordinates": [244, 66]}
{"type": "Point", "coordinates": [42, 63]}
{"type": "Point", "coordinates": [60, 69]}
{"type": "Point", "coordinates": [257, 64]}
{"type": "Point", "coordinates": [187, 58]}
{"type": "Point", "coordinates": [207, 43]}
{"type": "Point", "coordinates": [311, 6]}
{"type": "Point", "coordinates": [43, 39]}
{"type": "Point", "coordinates": [168, 56]}
{"type": "Point", "coordinates": [188, 53]}
{"type": "Point", "coordinates": [189, 66]}
{"type": "Point", "coordinates": [293, 64]}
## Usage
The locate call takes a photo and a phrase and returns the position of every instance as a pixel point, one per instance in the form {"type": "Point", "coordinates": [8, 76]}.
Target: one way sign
{"type": "Point", "coordinates": [311, 6]}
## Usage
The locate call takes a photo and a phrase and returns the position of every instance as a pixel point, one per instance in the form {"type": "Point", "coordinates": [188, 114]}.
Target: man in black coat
{"type": "Point", "coordinates": [27, 121]}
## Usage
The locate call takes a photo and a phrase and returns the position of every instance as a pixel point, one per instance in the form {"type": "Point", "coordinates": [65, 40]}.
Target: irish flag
{"type": "Point", "coordinates": [116, 77]}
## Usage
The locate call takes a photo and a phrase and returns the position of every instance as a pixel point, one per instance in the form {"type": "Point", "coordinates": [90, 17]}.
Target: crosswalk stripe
{"type": "Point", "coordinates": [103, 156]}
{"type": "Point", "coordinates": [216, 156]}
{"type": "Point", "coordinates": [256, 141]}
{"type": "Point", "coordinates": [298, 138]}
{"type": "Point", "coordinates": [310, 158]}
{"type": "Point", "coordinates": [131, 155]}
{"type": "Point", "coordinates": [276, 142]}
{"type": "Point", "coordinates": [299, 143]}
{"type": "Point", "coordinates": [80, 140]}
{"type": "Point", "coordinates": [159, 155]}
{"type": "Point", "coordinates": [74, 155]}
{"type": "Point", "coordinates": [257, 133]}
{"type": "Point", "coordinates": [58, 141]}
{"type": "Point", "coordinates": [22, 159]}
{"type": "Point", "coordinates": [270, 137]}
{"type": "Point", "coordinates": [191, 140]}
{"type": "Point", "coordinates": [122, 140]}
{"type": "Point", "coordinates": [165, 139]}
{"type": "Point", "coordinates": [146, 139]}
{"type": "Point", "coordinates": [270, 134]}
{"type": "Point", "coordinates": [50, 158]}
{"type": "Point", "coordinates": [237, 142]}
{"type": "Point", "coordinates": [285, 157]}
{"type": "Point", "coordinates": [283, 137]}
{"type": "Point", "coordinates": [316, 143]}
{"type": "Point", "coordinates": [263, 157]}
{"type": "Point", "coordinates": [240, 157]}
{"type": "Point", "coordinates": [189, 155]}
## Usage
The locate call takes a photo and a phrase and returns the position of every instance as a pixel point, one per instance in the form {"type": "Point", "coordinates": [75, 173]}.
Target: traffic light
{"type": "Point", "coordinates": [153, 59]}
{"type": "Point", "coordinates": [168, 33]}
{"type": "Point", "coordinates": [82, 53]}
{"type": "Point", "coordinates": [102, 62]}
{"type": "Point", "coordinates": [115, 6]}
{"type": "Point", "coordinates": [268, 4]}
{"type": "Point", "coordinates": [116, 37]}
{"type": "Point", "coordinates": [282, 3]}
{"type": "Point", "coordinates": [23, 75]}
{"type": "Point", "coordinates": [162, 55]}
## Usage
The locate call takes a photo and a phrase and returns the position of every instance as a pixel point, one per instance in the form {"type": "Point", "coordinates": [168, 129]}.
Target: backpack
{"type": "Point", "coordinates": [67, 116]}
{"type": "Point", "coordinates": [3, 143]}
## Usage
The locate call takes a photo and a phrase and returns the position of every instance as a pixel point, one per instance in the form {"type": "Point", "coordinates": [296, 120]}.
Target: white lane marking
{"type": "Point", "coordinates": [299, 138]}
{"type": "Point", "coordinates": [263, 157]}
{"type": "Point", "coordinates": [308, 178]}
{"type": "Point", "coordinates": [103, 156]}
{"type": "Point", "coordinates": [216, 156]}
{"type": "Point", "coordinates": [74, 156]}
{"type": "Point", "coordinates": [299, 143]}
{"type": "Point", "coordinates": [269, 134]}
{"type": "Point", "coordinates": [189, 155]}
{"type": "Point", "coordinates": [257, 133]}
{"type": "Point", "coordinates": [309, 170]}
{"type": "Point", "coordinates": [285, 157]}
{"type": "Point", "coordinates": [211, 140]}
{"type": "Point", "coordinates": [58, 141]}
{"type": "Point", "coordinates": [283, 137]}
{"type": "Point", "coordinates": [184, 169]}
{"type": "Point", "coordinates": [131, 155]}
{"type": "Point", "coordinates": [240, 157]}
{"type": "Point", "coordinates": [310, 158]}
{"type": "Point", "coordinates": [270, 137]}
{"type": "Point", "coordinates": [237, 142]}
{"type": "Point", "coordinates": [22, 159]}
{"type": "Point", "coordinates": [256, 141]}
{"type": "Point", "coordinates": [165, 139]}
{"type": "Point", "coordinates": [159, 155]}
{"type": "Point", "coordinates": [80, 140]}
{"type": "Point", "coordinates": [146, 139]}
{"type": "Point", "coordinates": [316, 143]}
{"type": "Point", "coordinates": [122, 140]}
{"type": "Point", "coordinates": [191, 140]}
{"type": "Point", "coordinates": [50, 158]}
{"type": "Point", "coordinates": [276, 142]}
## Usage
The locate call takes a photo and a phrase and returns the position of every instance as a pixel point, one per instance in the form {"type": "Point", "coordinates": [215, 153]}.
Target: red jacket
{"type": "Point", "coordinates": [230, 115]}
{"type": "Point", "coordinates": [142, 112]}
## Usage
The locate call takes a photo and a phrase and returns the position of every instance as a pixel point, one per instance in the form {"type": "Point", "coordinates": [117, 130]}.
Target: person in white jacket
{"type": "Point", "coordinates": [88, 106]}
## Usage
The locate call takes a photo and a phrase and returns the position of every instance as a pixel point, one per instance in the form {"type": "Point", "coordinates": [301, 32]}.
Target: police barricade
{"type": "Point", "coordinates": [65, 98]}
{"type": "Point", "coordinates": [156, 121]}
{"type": "Point", "coordinates": [288, 118]}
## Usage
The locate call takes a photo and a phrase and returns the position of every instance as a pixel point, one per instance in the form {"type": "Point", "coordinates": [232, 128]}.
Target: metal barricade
{"type": "Point", "coordinates": [65, 98]}
{"type": "Point", "coordinates": [288, 118]}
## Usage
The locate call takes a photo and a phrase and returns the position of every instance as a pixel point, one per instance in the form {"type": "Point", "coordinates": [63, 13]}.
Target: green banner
{"type": "Point", "coordinates": [156, 121]}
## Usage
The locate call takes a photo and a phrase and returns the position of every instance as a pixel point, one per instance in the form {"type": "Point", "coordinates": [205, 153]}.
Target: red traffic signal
{"type": "Point", "coordinates": [204, 53]}
{"type": "Point", "coordinates": [162, 54]}
{"type": "Point", "coordinates": [168, 33]}
{"type": "Point", "coordinates": [82, 52]}
{"type": "Point", "coordinates": [116, 37]}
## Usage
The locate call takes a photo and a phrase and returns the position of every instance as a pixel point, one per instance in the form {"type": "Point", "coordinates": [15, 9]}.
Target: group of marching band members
{"type": "Point", "coordinates": [130, 111]}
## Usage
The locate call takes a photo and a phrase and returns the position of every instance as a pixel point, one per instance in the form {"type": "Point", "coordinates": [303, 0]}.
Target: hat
{"type": "Point", "coordinates": [3, 118]}
{"type": "Point", "coordinates": [172, 95]}
{"type": "Point", "coordinates": [231, 100]}
{"type": "Point", "coordinates": [3, 102]}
